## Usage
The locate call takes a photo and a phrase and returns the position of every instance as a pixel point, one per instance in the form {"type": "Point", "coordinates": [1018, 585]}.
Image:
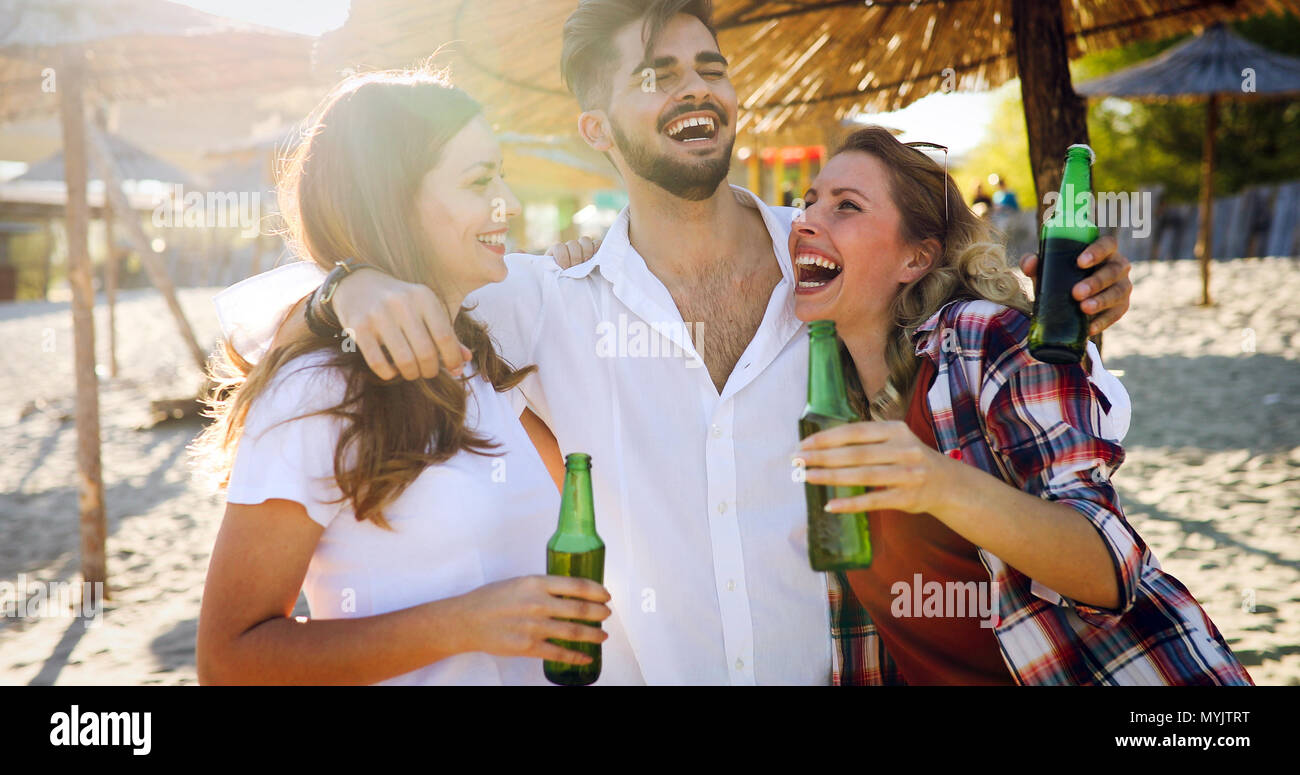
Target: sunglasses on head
{"type": "Point", "coordinates": [917, 146]}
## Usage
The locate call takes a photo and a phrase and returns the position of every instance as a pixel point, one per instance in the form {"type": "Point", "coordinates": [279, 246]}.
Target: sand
{"type": "Point", "coordinates": [1212, 479]}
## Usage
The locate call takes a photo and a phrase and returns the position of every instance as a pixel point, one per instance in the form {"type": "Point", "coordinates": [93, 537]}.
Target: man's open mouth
{"type": "Point", "coordinates": [815, 270]}
{"type": "Point", "coordinates": [692, 129]}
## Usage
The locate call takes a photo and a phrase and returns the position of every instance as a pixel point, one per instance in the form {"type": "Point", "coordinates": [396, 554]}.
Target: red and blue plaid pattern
{"type": "Point", "coordinates": [1038, 427]}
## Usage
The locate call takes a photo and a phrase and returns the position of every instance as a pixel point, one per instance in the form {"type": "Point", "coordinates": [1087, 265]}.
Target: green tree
{"type": "Point", "coordinates": [1141, 144]}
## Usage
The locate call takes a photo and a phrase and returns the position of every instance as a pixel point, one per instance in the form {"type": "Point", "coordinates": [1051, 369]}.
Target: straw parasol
{"type": "Point", "coordinates": [800, 62]}
{"type": "Point", "coordinates": [138, 50]}
{"type": "Point", "coordinates": [134, 163]}
{"type": "Point", "coordinates": [1213, 66]}
{"type": "Point", "coordinates": [54, 52]}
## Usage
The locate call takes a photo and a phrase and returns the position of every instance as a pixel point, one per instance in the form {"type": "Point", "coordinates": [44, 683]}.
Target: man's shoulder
{"type": "Point", "coordinates": [782, 214]}
{"type": "Point", "coordinates": [784, 217]}
{"type": "Point", "coordinates": [529, 265]}
{"type": "Point", "coordinates": [542, 271]}
{"type": "Point", "coordinates": [524, 272]}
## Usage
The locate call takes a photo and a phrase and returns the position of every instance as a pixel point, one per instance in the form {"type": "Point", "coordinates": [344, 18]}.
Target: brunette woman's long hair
{"type": "Point", "coordinates": [972, 263]}
{"type": "Point", "coordinates": [349, 191]}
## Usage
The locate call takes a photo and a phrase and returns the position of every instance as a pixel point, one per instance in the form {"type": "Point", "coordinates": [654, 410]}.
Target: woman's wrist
{"type": "Point", "coordinates": [447, 624]}
{"type": "Point", "coordinates": [320, 306]}
{"type": "Point", "coordinates": [958, 486]}
{"type": "Point", "coordinates": [319, 323]}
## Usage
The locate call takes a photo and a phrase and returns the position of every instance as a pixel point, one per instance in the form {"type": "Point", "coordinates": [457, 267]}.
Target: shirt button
{"type": "Point", "coordinates": [722, 507]}
{"type": "Point", "coordinates": [740, 664]}
{"type": "Point", "coordinates": [717, 432]}
{"type": "Point", "coordinates": [731, 585]}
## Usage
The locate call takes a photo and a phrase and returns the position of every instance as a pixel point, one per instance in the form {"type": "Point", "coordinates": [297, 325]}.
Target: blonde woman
{"type": "Point", "coordinates": [989, 470]}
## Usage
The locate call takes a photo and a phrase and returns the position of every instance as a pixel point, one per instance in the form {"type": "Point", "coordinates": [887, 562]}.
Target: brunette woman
{"type": "Point", "coordinates": [414, 515]}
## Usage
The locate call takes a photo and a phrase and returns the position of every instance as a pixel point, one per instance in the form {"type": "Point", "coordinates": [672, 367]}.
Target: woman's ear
{"type": "Point", "coordinates": [591, 125]}
{"type": "Point", "coordinates": [925, 255]}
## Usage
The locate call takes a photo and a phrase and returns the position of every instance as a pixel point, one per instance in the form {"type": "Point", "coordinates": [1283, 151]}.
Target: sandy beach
{"type": "Point", "coordinates": [1212, 479]}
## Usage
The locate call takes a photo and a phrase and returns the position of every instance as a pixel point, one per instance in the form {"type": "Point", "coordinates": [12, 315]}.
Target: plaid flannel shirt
{"type": "Point", "coordinates": [1037, 427]}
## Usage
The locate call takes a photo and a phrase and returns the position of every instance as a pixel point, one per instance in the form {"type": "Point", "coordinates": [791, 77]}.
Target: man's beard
{"type": "Point", "coordinates": [690, 180]}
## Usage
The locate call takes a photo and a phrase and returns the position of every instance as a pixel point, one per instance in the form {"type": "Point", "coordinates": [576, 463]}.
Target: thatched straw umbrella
{"type": "Point", "coordinates": [52, 52]}
{"type": "Point", "coordinates": [1213, 66]}
{"type": "Point", "coordinates": [806, 63]}
{"type": "Point", "coordinates": [134, 164]}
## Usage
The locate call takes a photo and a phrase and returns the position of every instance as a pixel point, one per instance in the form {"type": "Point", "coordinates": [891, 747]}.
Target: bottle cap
{"type": "Point", "coordinates": [821, 328]}
{"type": "Point", "coordinates": [577, 460]}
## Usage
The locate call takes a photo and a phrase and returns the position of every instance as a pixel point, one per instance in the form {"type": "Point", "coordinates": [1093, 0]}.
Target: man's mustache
{"type": "Point", "coordinates": [722, 117]}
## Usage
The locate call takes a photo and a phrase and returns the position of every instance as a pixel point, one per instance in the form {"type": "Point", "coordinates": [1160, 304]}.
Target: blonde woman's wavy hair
{"type": "Point", "coordinates": [972, 263]}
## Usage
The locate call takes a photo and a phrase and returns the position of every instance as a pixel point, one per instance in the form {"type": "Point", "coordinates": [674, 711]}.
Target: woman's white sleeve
{"type": "Point", "coordinates": [284, 454]}
{"type": "Point", "coordinates": [250, 311]}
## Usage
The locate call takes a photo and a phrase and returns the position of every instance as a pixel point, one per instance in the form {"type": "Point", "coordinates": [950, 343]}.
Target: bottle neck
{"type": "Point", "coordinates": [1073, 218]}
{"type": "Point", "coordinates": [827, 392]}
{"type": "Point", "coordinates": [577, 512]}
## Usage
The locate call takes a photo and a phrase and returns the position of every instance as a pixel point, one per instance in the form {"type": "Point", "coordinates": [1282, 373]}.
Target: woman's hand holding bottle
{"type": "Point", "coordinates": [517, 617]}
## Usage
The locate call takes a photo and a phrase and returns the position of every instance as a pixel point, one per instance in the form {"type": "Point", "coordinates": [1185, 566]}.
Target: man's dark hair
{"type": "Point", "coordinates": [588, 54]}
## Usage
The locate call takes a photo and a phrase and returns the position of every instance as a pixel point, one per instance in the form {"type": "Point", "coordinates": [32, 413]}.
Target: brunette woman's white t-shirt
{"type": "Point", "coordinates": [469, 521]}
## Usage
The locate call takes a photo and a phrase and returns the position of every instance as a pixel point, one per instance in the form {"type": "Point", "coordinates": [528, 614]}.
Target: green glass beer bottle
{"type": "Point", "coordinates": [576, 550]}
{"type": "Point", "coordinates": [836, 542]}
{"type": "Point", "coordinates": [1059, 329]}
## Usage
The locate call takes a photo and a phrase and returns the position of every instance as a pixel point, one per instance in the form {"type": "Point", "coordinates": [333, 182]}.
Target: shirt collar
{"type": "Point", "coordinates": [616, 248]}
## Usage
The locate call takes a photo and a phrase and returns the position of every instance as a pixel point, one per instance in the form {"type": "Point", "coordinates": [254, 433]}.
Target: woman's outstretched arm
{"type": "Point", "coordinates": [1050, 542]}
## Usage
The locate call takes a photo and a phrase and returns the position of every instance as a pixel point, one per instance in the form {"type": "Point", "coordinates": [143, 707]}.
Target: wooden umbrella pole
{"type": "Point", "coordinates": [153, 266]}
{"type": "Point", "coordinates": [1205, 228]}
{"type": "Point", "coordinates": [110, 285]}
{"type": "Point", "coordinates": [94, 529]}
{"type": "Point", "coordinates": [47, 268]}
{"type": "Point", "coordinates": [110, 266]}
{"type": "Point", "coordinates": [1055, 116]}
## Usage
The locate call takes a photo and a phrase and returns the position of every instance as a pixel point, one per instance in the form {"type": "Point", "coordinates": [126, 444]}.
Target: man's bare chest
{"type": "Point", "coordinates": [725, 313]}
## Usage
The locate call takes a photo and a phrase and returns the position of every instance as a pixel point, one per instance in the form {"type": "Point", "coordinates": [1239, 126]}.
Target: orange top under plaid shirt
{"type": "Point", "coordinates": [1040, 430]}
